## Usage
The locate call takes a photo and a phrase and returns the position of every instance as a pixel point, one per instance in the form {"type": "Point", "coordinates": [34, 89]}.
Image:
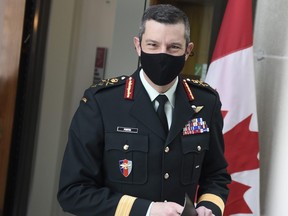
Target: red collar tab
{"type": "Point", "coordinates": [129, 89]}
{"type": "Point", "coordinates": [188, 91]}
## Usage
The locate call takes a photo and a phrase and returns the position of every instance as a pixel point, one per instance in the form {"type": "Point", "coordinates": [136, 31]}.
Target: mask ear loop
{"type": "Point", "coordinates": [139, 57]}
{"type": "Point", "coordinates": [139, 62]}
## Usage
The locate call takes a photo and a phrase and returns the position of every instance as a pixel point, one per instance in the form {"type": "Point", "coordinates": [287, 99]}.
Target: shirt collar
{"type": "Point", "coordinates": [153, 93]}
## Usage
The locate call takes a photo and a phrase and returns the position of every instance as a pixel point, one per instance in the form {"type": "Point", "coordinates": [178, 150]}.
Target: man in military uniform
{"type": "Point", "coordinates": [130, 152]}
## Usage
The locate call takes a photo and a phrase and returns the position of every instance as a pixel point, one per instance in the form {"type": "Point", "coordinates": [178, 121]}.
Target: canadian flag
{"type": "Point", "coordinates": [231, 73]}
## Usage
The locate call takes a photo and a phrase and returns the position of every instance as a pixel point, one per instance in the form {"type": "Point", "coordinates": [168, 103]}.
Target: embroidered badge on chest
{"type": "Point", "coordinates": [125, 167]}
{"type": "Point", "coordinates": [195, 126]}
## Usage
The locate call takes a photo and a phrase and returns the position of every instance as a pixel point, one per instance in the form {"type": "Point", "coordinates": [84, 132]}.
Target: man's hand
{"type": "Point", "coordinates": [166, 209]}
{"type": "Point", "coordinates": [202, 211]}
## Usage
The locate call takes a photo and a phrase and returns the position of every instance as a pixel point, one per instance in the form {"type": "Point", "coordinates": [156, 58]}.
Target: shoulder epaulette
{"type": "Point", "coordinates": [117, 81]}
{"type": "Point", "coordinates": [200, 83]}
{"type": "Point", "coordinates": [106, 83]}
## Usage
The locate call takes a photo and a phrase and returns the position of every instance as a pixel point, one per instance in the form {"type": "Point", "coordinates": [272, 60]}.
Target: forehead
{"type": "Point", "coordinates": [164, 32]}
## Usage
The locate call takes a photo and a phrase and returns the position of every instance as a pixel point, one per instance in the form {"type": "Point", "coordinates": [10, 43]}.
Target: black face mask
{"type": "Point", "coordinates": [162, 68]}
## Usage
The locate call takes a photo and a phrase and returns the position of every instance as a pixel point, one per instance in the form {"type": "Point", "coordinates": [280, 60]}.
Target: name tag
{"type": "Point", "coordinates": [127, 130]}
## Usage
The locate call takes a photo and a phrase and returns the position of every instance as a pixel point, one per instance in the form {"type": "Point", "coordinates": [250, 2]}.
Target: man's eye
{"type": "Point", "coordinates": [151, 44]}
{"type": "Point", "coordinates": [175, 47]}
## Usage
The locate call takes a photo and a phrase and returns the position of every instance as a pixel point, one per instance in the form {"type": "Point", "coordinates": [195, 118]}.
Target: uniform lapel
{"type": "Point", "coordinates": [181, 114]}
{"type": "Point", "coordinates": [143, 110]}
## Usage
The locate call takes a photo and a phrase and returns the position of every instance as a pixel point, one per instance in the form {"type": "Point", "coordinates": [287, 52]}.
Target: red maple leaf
{"type": "Point", "coordinates": [241, 150]}
{"type": "Point", "coordinates": [241, 147]}
{"type": "Point", "coordinates": [236, 203]}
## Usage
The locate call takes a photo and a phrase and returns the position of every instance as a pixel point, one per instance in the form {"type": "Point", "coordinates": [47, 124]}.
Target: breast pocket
{"type": "Point", "coordinates": [194, 148]}
{"type": "Point", "coordinates": [125, 158]}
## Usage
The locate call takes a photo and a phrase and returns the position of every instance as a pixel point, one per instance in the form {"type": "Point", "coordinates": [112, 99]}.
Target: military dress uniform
{"type": "Point", "coordinates": [118, 158]}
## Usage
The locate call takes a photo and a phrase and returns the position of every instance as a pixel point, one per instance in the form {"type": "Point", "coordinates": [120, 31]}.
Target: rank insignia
{"type": "Point", "coordinates": [195, 126]}
{"type": "Point", "coordinates": [188, 90]}
{"type": "Point", "coordinates": [84, 99]}
{"type": "Point", "coordinates": [125, 167]}
{"type": "Point", "coordinates": [129, 88]}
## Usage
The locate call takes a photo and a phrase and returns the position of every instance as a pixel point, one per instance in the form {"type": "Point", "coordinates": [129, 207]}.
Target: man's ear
{"type": "Point", "coordinates": [189, 50]}
{"type": "Point", "coordinates": [137, 45]}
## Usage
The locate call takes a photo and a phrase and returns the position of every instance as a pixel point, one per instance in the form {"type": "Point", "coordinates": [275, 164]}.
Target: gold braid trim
{"type": "Point", "coordinates": [125, 205]}
{"type": "Point", "coordinates": [214, 199]}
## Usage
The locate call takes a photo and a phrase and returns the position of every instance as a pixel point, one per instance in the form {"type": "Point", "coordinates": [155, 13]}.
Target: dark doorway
{"type": "Point", "coordinates": [30, 72]}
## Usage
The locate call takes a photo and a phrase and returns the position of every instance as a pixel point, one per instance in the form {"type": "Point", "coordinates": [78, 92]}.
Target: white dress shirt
{"type": "Point", "coordinates": [169, 106]}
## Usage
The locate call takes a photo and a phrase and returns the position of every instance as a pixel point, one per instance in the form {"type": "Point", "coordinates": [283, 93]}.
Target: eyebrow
{"type": "Point", "coordinates": [150, 40]}
{"type": "Point", "coordinates": [176, 43]}
{"type": "Point", "coordinates": [172, 43]}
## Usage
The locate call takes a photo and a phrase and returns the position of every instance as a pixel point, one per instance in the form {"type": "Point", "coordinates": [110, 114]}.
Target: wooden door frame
{"type": "Point", "coordinates": [35, 28]}
{"type": "Point", "coordinates": [11, 28]}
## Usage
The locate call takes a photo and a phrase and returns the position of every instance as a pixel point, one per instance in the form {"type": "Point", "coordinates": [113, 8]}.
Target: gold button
{"type": "Point", "coordinates": [126, 147]}
{"type": "Point", "coordinates": [166, 176]}
{"type": "Point", "coordinates": [199, 148]}
{"type": "Point", "coordinates": [167, 149]}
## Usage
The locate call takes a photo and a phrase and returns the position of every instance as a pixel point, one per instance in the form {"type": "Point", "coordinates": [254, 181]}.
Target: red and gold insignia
{"type": "Point", "coordinates": [129, 89]}
{"type": "Point", "coordinates": [188, 91]}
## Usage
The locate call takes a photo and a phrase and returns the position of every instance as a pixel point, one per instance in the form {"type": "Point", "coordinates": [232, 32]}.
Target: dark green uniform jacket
{"type": "Point", "coordinates": [118, 160]}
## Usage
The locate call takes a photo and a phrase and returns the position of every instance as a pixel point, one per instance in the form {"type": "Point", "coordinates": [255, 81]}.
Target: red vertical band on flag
{"type": "Point", "coordinates": [236, 30]}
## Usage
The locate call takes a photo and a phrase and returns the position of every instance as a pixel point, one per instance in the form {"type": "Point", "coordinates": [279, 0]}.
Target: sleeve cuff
{"type": "Point", "coordinates": [125, 205]}
{"type": "Point", "coordinates": [213, 202]}
{"type": "Point", "coordinates": [132, 206]}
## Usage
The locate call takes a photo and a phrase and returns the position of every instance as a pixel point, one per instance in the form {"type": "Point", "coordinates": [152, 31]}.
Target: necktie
{"type": "Point", "coordinates": [162, 99]}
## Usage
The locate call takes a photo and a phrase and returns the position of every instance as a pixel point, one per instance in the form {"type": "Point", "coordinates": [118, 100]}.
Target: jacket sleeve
{"type": "Point", "coordinates": [81, 186]}
{"type": "Point", "coordinates": [213, 190]}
